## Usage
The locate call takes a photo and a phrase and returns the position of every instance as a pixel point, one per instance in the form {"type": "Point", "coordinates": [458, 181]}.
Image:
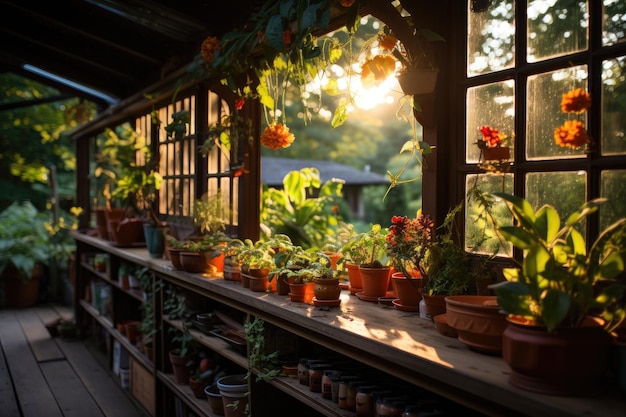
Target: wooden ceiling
{"type": "Point", "coordinates": [116, 47]}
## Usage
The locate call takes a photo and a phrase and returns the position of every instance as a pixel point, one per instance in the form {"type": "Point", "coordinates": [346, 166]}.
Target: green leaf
{"type": "Point", "coordinates": [513, 297]}
{"type": "Point", "coordinates": [555, 306]}
{"type": "Point", "coordinates": [547, 223]}
{"type": "Point", "coordinates": [274, 32]}
{"type": "Point", "coordinates": [517, 236]}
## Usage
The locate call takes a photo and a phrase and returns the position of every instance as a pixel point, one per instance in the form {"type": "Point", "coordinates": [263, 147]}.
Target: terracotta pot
{"type": "Point", "coordinates": [215, 399]}
{"type": "Point", "coordinates": [245, 280]}
{"type": "Point", "coordinates": [259, 280]}
{"type": "Point", "coordinates": [216, 263]}
{"type": "Point", "coordinates": [232, 270]}
{"type": "Point", "coordinates": [408, 291]}
{"type": "Point", "coordinates": [282, 285]}
{"type": "Point", "coordinates": [126, 232]}
{"type": "Point", "coordinates": [302, 293]}
{"type": "Point", "coordinates": [326, 289]}
{"type": "Point", "coordinates": [179, 367]}
{"type": "Point", "coordinates": [194, 262]}
{"type": "Point", "coordinates": [334, 257]}
{"type": "Point", "coordinates": [197, 386]}
{"type": "Point", "coordinates": [354, 276]}
{"type": "Point", "coordinates": [498, 153]}
{"type": "Point", "coordinates": [375, 281]}
{"type": "Point", "coordinates": [234, 389]}
{"type": "Point", "coordinates": [478, 321]}
{"type": "Point", "coordinates": [568, 361]}
{"type": "Point", "coordinates": [115, 215]}
{"type": "Point", "coordinates": [175, 257]}
{"type": "Point", "coordinates": [435, 304]}
{"type": "Point", "coordinates": [101, 222]}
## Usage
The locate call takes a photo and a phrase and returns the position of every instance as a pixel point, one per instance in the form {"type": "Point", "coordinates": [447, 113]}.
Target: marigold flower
{"type": "Point", "coordinates": [575, 101]}
{"type": "Point", "coordinates": [209, 47]}
{"type": "Point", "coordinates": [376, 70]}
{"type": "Point", "coordinates": [493, 137]}
{"type": "Point", "coordinates": [572, 134]}
{"type": "Point", "coordinates": [387, 42]}
{"type": "Point", "coordinates": [277, 136]}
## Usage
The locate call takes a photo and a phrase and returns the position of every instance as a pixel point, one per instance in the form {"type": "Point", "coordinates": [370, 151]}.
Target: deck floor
{"type": "Point", "coordinates": [46, 376]}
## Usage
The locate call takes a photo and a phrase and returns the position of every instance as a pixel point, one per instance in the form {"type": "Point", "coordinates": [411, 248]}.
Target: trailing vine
{"type": "Point", "coordinates": [265, 365]}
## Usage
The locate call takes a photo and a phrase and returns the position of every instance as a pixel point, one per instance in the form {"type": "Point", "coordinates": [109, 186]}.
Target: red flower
{"type": "Point", "coordinates": [346, 3]}
{"type": "Point", "coordinates": [408, 241]}
{"type": "Point", "coordinates": [287, 37]}
{"type": "Point", "coordinates": [239, 103]}
{"type": "Point", "coordinates": [493, 137]}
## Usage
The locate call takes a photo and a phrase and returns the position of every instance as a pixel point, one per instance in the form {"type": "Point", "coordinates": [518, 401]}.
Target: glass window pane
{"type": "Point", "coordinates": [565, 191]}
{"type": "Point", "coordinates": [479, 226]}
{"type": "Point", "coordinates": [543, 112]}
{"type": "Point", "coordinates": [555, 28]}
{"type": "Point", "coordinates": [491, 36]}
{"type": "Point", "coordinates": [613, 106]}
{"type": "Point", "coordinates": [492, 105]}
{"type": "Point", "coordinates": [614, 22]}
{"type": "Point", "coordinates": [613, 187]}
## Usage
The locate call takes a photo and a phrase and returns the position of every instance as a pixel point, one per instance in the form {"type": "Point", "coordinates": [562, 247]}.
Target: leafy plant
{"type": "Point", "coordinates": [24, 241]}
{"type": "Point", "coordinates": [293, 211]}
{"type": "Point", "coordinates": [446, 265]}
{"type": "Point", "coordinates": [367, 248]}
{"type": "Point", "coordinates": [561, 279]}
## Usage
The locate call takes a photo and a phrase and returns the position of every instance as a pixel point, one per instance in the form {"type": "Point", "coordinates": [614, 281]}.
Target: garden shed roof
{"type": "Point", "coordinates": [273, 170]}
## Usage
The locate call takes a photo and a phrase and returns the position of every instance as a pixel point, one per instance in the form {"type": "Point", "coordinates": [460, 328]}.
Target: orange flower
{"type": "Point", "coordinates": [493, 137]}
{"type": "Point", "coordinates": [346, 3]}
{"type": "Point", "coordinates": [277, 136]}
{"type": "Point", "coordinates": [387, 42]}
{"type": "Point", "coordinates": [572, 134]}
{"type": "Point", "coordinates": [209, 47]}
{"type": "Point", "coordinates": [575, 101]}
{"type": "Point", "coordinates": [376, 70]}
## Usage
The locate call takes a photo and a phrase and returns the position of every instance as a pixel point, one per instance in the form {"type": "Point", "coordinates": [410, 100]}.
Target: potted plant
{"type": "Point", "coordinates": [566, 293]}
{"type": "Point", "coordinates": [24, 253]}
{"type": "Point", "coordinates": [260, 261]}
{"type": "Point", "coordinates": [446, 268]}
{"type": "Point", "coordinates": [406, 244]}
{"type": "Point", "coordinates": [374, 273]}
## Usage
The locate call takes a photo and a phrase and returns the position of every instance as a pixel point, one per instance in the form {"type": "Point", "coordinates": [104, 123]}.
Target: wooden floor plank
{"type": "Point", "coordinates": [106, 391]}
{"type": "Point", "coordinates": [65, 312]}
{"type": "Point", "coordinates": [69, 391]}
{"type": "Point", "coordinates": [47, 314]}
{"type": "Point", "coordinates": [32, 391]}
{"type": "Point", "coordinates": [42, 344]}
{"type": "Point", "coordinates": [8, 401]}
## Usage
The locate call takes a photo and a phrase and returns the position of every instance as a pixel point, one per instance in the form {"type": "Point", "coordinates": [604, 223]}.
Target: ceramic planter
{"type": "Point", "coordinates": [259, 280]}
{"type": "Point", "coordinates": [478, 321]}
{"type": "Point", "coordinates": [215, 399]}
{"type": "Point", "coordinates": [194, 262]}
{"type": "Point", "coordinates": [435, 304]}
{"type": "Point", "coordinates": [179, 367]}
{"type": "Point", "coordinates": [155, 240]}
{"type": "Point", "coordinates": [326, 289]}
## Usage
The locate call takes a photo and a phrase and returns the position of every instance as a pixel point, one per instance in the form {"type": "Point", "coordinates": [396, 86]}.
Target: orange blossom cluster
{"type": "Point", "coordinates": [492, 137]}
{"type": "Point", "coordinates": [573, 133]}
{"type": "Point", "coordinates": [209, 47]}
{"type": "Point", "coordinates": [277, 136]}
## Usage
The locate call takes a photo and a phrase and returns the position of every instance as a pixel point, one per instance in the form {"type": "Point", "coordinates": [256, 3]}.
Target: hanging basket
{"type": "Point", "coordinates": [418, 81]}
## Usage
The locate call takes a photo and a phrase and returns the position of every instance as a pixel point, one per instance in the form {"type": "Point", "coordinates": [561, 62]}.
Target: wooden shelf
{"type": "Point", "coordinates": [395, 342]}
